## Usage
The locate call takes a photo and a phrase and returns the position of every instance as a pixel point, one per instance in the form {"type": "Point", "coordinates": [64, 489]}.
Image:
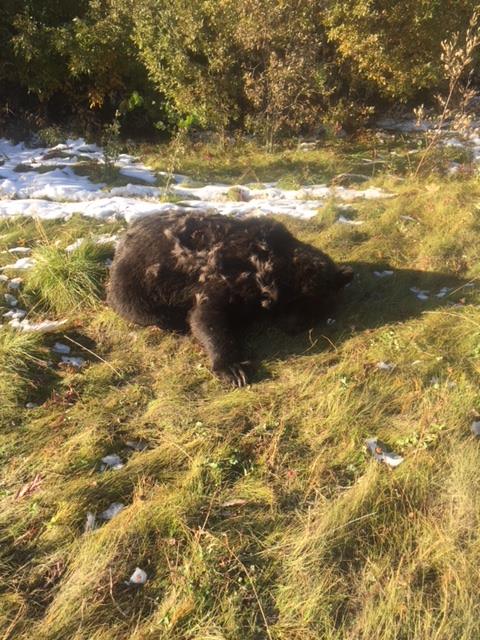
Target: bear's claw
{"type": "Point", "coordinates": [234, 374]}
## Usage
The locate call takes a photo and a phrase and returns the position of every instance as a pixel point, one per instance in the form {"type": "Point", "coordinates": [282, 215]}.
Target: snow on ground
{"type": "Point", "coordinates": [42, 182]}
{"type": "Point", "coordinates": [407, 125]}
{"type": "Point", "coordinates": [44, 326]}
{"type": "Point", "coordinates": [468, 139]}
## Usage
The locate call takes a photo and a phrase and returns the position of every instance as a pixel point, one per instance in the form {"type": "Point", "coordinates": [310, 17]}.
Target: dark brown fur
{"type": "Point", "coordinates": [212, 274]}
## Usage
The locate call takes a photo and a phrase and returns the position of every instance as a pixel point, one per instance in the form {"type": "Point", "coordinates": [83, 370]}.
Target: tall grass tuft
{"type": "Point", "coordinates": [18, 351]}
{"type": "Point", "coordinates": [66, 282]}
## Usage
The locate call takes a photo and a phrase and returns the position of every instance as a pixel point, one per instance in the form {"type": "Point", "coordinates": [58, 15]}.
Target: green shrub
{"type": "Point", "coordinates": [271, 67]}
{"type": "Point", "coordinates": [393, 47]}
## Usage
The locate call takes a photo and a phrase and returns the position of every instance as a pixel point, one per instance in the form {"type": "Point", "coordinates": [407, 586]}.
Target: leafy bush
{"type": "Point", "coordinates": [267, 66]}
{"type": "Point", "coordinates": [393, 47]}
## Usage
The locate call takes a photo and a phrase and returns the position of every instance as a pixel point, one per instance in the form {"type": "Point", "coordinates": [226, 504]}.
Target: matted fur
{"type": "Point", "coordinates": [211, 273]}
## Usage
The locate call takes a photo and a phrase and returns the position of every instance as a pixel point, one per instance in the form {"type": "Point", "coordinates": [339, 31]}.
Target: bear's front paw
{"type": "Point", "coordinates": [234, 374]}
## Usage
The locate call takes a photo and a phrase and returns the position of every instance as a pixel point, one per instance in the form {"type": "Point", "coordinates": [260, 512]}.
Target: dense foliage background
{"type": "Point", "coordinates": [268, 66]}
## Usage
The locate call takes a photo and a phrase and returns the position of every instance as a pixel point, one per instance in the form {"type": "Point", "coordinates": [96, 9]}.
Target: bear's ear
{"type": "Point", "coordinates": [344, 276]}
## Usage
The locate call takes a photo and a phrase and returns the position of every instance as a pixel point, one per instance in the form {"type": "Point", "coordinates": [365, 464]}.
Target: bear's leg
{"type": "Point", "coordinates": [209, 325]}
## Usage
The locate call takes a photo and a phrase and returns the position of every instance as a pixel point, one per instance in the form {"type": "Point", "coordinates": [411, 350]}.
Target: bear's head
{"type": "Point", "coordinates": [316, 276]}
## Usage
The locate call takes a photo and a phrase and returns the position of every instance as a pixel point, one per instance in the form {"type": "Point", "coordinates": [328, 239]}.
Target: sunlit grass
{"type": "Point", "coordinates": [20, 355]}
{"type": "Point", "coordinates": [67, 281]}
{"type": "Point", "coordinates": [256, 513]}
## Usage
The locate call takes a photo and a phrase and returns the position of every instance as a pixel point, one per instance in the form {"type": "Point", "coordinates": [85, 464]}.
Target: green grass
{"type": "Point", "coordinates": [240, 161]}
{"type": "Point", "coordinates": [108, 174]}
{"type": "Point", "coordinates": [68, 281]}
{"type": "Point", "coordinates": [255, 513]}
{"type": "Point", "coordinates": [21, 355]}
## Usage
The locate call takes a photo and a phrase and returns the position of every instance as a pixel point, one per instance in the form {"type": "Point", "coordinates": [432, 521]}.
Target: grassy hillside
{"type": "Point", "coordinates": [256, 513]}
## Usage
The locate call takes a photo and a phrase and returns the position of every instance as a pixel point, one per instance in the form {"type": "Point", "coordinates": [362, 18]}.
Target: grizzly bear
{"type": "Point", "coordinates": [213, 274]}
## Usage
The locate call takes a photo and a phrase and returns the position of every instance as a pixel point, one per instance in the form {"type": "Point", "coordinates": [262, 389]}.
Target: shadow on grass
{"type": "Point", "coordinates": [47, 382]}
{"type": "Point", "coordinates": [368, 303]}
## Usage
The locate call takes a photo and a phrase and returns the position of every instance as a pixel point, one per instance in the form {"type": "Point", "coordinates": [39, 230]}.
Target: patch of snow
{"type": "Point", "coordinates": [22, 250]}
{"type": "Point", "coordinates": [385, 366]}
{"type": "Point", "coordinates": [45, 326]}
{"type": "Point", "coordinates": [454, 168]}
{"type": "Point", "coordinates": [435, 382]}
{"type": "Point", "coordinates": [112, 511]}
{"type": "Point", "coordinates": [21, 263]}
{"type": "Point", "coordinates": [307, 146]}
{"type": "Point", "coordinates": [10, 300]}
{"type": "Point", "coordinates": [140, 172]}
{"type": "Point", "coordinates": [112, 461]}
{"type": "Point", "coordinates": [136, 191]}
{"type": "Point", "coordinates": [15, 284]}
{"type": "Point", "coordinates": [443, 292]}
{"type": "Point", "coordinates": [15, 313]}
{"type": "Point", "coordinates": [102, 209]}
{"type": "Point", "coordinates": [107, 238]}
{"type": "Point", "coordinates": [454, 142]}
{"type": "Point", "coordinates": [405, 126]}
{"type": "Point", "coordinates": [59, 192]}
{"type": "Point", "coordinates": [104, 238]}
{"type": "Point", "coordinates": [222, 193]}
{"type": "Point", "coordinates": [138, 577]}
{"type": "Point", "coordinates": [73, 361]}
{"type": "Point", "coordinates": [75, 245]}
{"type": "Point", "coordinates": [59, 347]}
{"type": "Point", "coordinates": [469, 140]}
{"type": "Point", "coordinates": [381, 453]}
{"type": "Point", "coordinates": [475, 427]}
{"type": "Point", "coordinates": [90, 522]}
{"type": "Point", "coordinates": [421, 294]}
{"type": "Point", "coordinates": [353, 223]}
